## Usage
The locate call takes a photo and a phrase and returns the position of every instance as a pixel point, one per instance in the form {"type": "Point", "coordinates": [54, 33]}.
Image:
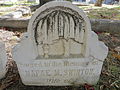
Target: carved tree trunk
{"type": "Point", "coordinates": [99, 3]}
{"type": "Point", "coordinates": [41, 2]}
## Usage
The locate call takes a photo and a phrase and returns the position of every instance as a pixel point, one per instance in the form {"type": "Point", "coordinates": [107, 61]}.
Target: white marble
{"type": "Point", "coordinates": [59, 48]}
{"type": "Point", "coordinates": [3, 60]}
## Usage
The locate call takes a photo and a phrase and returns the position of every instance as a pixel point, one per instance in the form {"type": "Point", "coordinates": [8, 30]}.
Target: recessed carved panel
{"type": "Point", "coordinates": [59, 31]}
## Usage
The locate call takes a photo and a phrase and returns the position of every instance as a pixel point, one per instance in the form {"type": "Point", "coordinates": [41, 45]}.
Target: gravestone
{"type": "Point", "coordinates": [3, 60]}
{"type": "Point", "coordinates": [59, 48]}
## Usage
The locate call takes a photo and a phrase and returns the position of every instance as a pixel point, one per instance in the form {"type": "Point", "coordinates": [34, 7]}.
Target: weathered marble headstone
{"type": "Point", "coordinates": [59, 48]}
{"type": "Point", "coordinates": [3, 60]}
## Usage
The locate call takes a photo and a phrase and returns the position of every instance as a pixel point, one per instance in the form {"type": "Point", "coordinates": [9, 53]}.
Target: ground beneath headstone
{"type": "Point", "coordinates": [109, 80]}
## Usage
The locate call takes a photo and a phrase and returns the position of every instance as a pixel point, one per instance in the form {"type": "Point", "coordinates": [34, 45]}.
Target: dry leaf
{"type": "Point", "coordinates": [116, 56]}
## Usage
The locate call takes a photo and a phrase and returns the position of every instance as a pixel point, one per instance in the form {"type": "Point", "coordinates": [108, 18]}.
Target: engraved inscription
{"type": "Point", "coordinates": [55, 64]}
{"type": "Point", "coordinates": [58, 72]}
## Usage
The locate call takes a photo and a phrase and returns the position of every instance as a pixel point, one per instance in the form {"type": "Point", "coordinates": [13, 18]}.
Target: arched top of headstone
{"type": "Point", "coordinates": [64, 6]}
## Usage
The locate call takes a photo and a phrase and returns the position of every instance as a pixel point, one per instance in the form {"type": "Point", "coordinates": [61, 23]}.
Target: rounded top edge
{"type": "Point", "coordinates": [57, 3]}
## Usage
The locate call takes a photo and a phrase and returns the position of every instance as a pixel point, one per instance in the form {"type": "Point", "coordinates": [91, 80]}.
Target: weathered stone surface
{"type": "Point", "coordinates": [14, 23]}
{"type": "Point", "coordinates": [105, 25]}
{"type": "Point", "coordinates": [59, 48]}
{"type": "Point", "coordinates": [18, 13]}
{"type": "Point", "coordinates": [3, 60]}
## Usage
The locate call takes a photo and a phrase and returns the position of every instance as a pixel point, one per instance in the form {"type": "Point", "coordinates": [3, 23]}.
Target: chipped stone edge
{"type": "Point", "coordinates": [3, 60]}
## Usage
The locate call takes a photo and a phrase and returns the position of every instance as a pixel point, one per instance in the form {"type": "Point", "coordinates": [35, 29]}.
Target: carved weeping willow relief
{"type": "Point", "coordinates": [59, 31]}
